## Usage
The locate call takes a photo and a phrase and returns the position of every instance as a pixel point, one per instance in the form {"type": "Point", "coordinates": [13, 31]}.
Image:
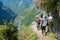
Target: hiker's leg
{"type": "Point", "coordinates": [42, 30]}
{"type": "Point", "coordinates": [38, 27]}
{"type": "Point", "coordinates": [46, 30]}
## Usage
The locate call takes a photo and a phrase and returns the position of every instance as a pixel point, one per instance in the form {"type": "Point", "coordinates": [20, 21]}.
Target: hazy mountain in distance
{"type": "Point", "coordinates": [17, 6]}
{"type": "Point", "coordinates": [6, 14]}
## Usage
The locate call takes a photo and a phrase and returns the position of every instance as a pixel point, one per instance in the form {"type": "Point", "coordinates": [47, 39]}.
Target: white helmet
{"type": "Point", "coordinates": [37, 16]}
{"type": "Point", "coordinates": [50, 17]}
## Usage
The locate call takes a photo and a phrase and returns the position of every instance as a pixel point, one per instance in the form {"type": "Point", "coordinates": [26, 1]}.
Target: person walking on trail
{"type": "Point", "coordinates": [50, 23]}
{"type": "Point", "coordinates": [44, 24]}
{"type": "Point", "coordinates": [38, 22]}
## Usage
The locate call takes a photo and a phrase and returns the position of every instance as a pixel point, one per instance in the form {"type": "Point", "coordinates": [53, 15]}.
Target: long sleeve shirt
{"type": "Point", "coordinates": [43, 21]}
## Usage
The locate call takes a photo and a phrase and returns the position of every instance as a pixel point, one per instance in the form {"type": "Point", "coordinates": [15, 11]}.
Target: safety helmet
{"type": "Point", "coordinates": [50, 17]}
{"type": "Point", "coordinates": [37, 16]}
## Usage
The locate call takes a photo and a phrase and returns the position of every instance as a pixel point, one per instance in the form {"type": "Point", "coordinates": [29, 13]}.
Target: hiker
{"type": "Point", "coordinates": [38, 22]}
{"type": "Point", "coordinates": [44, 23]}
{"type": "Point", "coordinates": [50, 21]}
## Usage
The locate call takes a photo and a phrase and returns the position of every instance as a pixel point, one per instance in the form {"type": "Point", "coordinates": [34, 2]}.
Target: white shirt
{"type": "Point", "coordinates": [43, 21]}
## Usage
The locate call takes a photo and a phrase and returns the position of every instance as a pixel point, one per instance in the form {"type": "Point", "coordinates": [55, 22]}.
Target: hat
{"type": "Point", "coordinates": [50, 17]}
{"type": "Point", "coordinates": [37, 16]}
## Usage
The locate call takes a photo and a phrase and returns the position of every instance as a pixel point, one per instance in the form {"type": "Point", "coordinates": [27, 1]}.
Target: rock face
{"type": "Point", "coordinates": [6, 14]}
{"type": "Point", "coordinates": [56, 23]}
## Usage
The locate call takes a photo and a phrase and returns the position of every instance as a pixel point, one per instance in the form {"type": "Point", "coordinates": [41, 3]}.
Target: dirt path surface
{"type": "Point", "coordinates": [39, 33]}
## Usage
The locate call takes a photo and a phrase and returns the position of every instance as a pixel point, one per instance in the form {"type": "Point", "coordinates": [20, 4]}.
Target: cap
{"type": "Point", "coordinates": [37, 16]}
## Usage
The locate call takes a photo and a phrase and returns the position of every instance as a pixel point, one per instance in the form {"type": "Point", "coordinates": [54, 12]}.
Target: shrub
{"type": "Point", "coordinates": [27, 34]}
{"type": "Point", "coordinates": [7, 32]}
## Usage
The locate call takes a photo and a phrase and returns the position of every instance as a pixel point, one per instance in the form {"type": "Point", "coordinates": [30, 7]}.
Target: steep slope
{"type": "Point", "coordinates": [23, 8]}
{"type": "Point", "coordinates": [17, 6]}
{"type": "Point", "coordinates": [27, 16]}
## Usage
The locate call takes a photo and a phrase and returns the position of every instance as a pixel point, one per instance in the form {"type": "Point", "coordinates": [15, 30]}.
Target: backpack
{"type": "Point", "coordinates": [38, 21]}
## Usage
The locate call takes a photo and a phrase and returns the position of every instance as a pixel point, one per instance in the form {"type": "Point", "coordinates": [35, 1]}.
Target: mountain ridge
{"type": "Point", "coordinates": [17, 5]}
{"type": "Point", "coordinates": [27, 16]}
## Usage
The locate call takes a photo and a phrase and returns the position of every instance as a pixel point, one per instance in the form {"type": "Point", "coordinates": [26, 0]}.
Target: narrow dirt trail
{"type": "Point", "coordinates": [39, 33]}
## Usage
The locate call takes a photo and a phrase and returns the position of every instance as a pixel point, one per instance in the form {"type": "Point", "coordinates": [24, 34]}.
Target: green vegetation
{"type": "Point", "coordinates": [7, 32]}
{"type": "Point", "coordinates": [51, 4]}
{"type": "Point", "coordinates": [51, 35]}
{"type": "Point", "coordinates": [26, 33]}
{"type": "Point", "coordinates": [50, 32]}
{"type": "Point", "coordinates": [27, 16]}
